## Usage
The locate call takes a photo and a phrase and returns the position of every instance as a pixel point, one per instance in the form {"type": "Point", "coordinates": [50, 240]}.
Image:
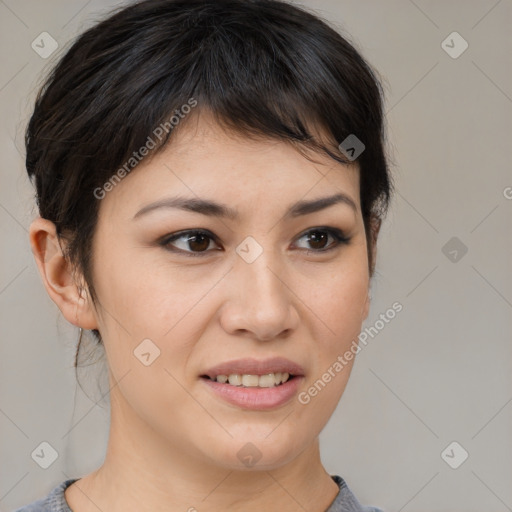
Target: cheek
{"type": "Point", "coordinates": [337, 311]}
{"type": "Point", "coordinates": [338, 302]}
{"type": "Point", "coordinates": [138, 301]}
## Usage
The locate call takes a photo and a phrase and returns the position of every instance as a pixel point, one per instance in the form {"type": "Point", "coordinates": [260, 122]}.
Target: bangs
{"type": "Point", "coordinates": [258, 67]}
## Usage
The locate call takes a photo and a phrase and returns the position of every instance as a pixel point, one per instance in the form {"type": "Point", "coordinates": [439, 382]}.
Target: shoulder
{"type": "Point", "coordinates": [55, 501]}
{"type": "Point", "coordinates": [345, 501]}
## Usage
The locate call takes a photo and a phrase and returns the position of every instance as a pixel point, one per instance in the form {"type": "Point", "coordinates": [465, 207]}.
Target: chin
{"type": "Point", "coordinates": [250, 450]}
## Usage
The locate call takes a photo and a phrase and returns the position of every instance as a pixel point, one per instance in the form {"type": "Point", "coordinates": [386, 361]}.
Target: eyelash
{"type": "Point", "coordinates": [339, 237]}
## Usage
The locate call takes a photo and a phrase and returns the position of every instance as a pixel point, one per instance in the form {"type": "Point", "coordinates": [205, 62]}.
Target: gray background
{"type": "Point", "coordinates": [439, 372]}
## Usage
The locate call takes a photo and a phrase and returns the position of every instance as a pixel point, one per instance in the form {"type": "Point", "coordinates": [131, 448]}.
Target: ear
{"type": "Point", "coordinates": [57, 275]}
{"type": "Point", "coordinates": [374, 225]}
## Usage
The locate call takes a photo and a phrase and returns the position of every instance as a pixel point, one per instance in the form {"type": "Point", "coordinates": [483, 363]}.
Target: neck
{"type": "Point", "coordinates": [142, 472]}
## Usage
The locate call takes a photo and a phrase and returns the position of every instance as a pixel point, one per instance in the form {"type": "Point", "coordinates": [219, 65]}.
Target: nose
{"type": "Point", "coordinates": [261, 303]}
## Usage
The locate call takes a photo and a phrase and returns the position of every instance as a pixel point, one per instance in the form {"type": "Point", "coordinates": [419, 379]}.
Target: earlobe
{"type": "Point", "coordinates": [56, 274]}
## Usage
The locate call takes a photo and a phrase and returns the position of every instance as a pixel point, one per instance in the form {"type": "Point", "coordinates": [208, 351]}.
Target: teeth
{"type": "Point", "coordinates": [253, 381]}
{"type": "Point", "coordinates": [267, 381]}
{"type": "Point", "coordinates": [235, 380]}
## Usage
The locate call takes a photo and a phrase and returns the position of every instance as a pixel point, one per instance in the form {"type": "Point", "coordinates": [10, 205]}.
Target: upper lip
{"type": "Point", "coordinates": [249, 366]}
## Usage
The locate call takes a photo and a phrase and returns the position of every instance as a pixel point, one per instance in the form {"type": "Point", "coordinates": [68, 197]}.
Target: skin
{"type": "Point", "coordinates": [173, 444]}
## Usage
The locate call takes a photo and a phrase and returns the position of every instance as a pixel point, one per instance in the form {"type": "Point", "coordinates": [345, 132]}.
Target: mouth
{"type": "Point", "coordinates": [250, 372]}
{"type": "Point", "coordinates": [254, 384]}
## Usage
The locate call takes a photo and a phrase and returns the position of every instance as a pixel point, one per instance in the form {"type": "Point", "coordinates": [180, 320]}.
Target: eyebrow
{"type": "Point", "coordinates": [214, 209]}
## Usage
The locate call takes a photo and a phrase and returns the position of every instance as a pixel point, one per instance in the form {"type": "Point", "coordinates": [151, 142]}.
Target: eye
{"type": "Point", "coordinates": [319, 236]}
{"type": "Point", "coordinates": [195, 242]}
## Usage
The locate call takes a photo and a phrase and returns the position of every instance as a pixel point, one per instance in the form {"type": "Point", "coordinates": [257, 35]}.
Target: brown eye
{"type": "Point", "coordinates": [317, 239]}
{"type": "Point", "coordinates": [191, 243]}
{"type": "Point", "coordinates": [198, 242]}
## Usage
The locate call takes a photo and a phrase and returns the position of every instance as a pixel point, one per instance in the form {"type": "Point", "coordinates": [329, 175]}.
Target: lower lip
{"type": "Point", "coordinates": [255, 398]}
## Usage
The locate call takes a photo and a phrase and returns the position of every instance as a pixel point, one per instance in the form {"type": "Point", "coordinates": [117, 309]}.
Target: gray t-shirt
{"type": "Point", "coordinates": [345, 501]}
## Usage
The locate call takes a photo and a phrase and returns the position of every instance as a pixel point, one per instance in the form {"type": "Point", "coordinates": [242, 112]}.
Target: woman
{"type": "Point", "coordinates": [211, 179]}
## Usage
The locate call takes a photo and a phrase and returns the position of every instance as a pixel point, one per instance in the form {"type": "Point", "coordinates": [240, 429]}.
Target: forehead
{"type": "Point", "coordinates": [204, 160]}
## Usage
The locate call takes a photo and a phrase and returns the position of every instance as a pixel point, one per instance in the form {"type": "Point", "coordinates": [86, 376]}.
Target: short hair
{"type": "Point", "coordinates": [263, 68]}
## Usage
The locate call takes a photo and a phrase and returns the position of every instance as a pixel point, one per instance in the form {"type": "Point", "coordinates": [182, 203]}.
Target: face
{"type": "Point", "coordinates": [268, 289]}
